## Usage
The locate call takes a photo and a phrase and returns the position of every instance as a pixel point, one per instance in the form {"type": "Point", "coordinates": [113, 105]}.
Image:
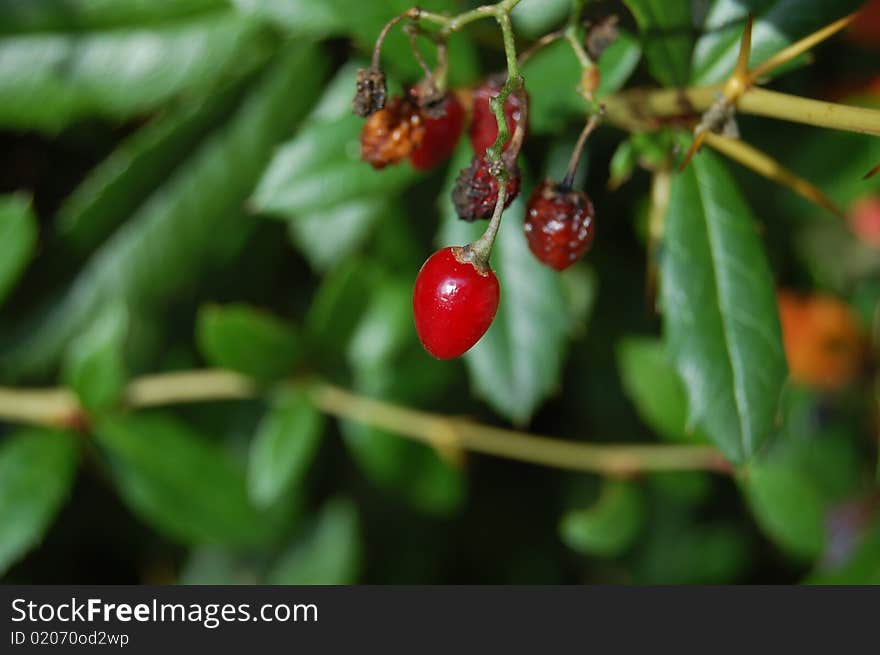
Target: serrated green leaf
{"type": "Point", "coordinates": [655, 388]}
{"type": "Point", "coordinates": [719, 310]}
{"type": "Point", "coordinates": [188, 226]}
{"type": "Point", "coordinates": [18, 239]}
{"type": "Point", "coordinates": [49, 80]}
{"type": "Point", "coordinates": [247, 340]}
{"type": "Point", "coordinates": [609, 527]}
{"type": "Point", "coordinates": [389, 364]}
{"type": "Point", "coordinates": [180, 482]}
{"type": "Point", "coordinates": [283, 447]}
{"type": "Point", "coordinates": [95, 365]}
{"type": "Point", "coordinates": [787, 506]}
{"type": "Point", "coordinates": [329, 551]}
{"type": "Point", "coordinates": [667, 34]}
{"type": "Point", "coordinates": [518, 363]}
{"type": "Point", "coordinates": [37, 468]}
{"type": "Point", "coordinates": [777, 24]}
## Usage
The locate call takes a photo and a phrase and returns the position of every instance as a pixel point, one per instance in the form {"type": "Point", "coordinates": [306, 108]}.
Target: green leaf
{"type": "Point", "coordinates": [787, 506]}
{"type": "Point", "coordinates": [37, 468]}
{"type": "Point", "coordinates": [609, 527]}
{"type": "Point", "coordinates": [518, 363]}
{"type": "Point", "coordinates": [389, 364]}
{"type": "Point", "coordinates": [247, 340]}
{"type": "Point", "coordinates": [534, 18]}
{"type": "Point", "coordinates": [115, 187]}
{"type": "Point", "coordinates": [719, 310]}
{"type": "Point", "coordinates": [329, 551]}
{"type": "Point", "coordinates": [777, 24]}
{"type": "Point", "coordinates": [49, 80]}
{"type": "Point", "coordinates": [552, 77]}
{"type": "Point", "coordinates": [283, 447]}
{"type": "Point", "coordinates": [76, 15]}
{"type": "Point", "coordinates": [95, 363]}
{"type": "Point", "coordinates": [655, 388]}
{"type": "Point", "coordinates": [188, 226]}
{"type": "Point", "coordinates": [18, 240]}
{"type": "Point", "coordinates": [667, 33]}
{"type": "Point", "coordinates": [179, 482]}
{"type": "Point", "coordinates": [861, 568]}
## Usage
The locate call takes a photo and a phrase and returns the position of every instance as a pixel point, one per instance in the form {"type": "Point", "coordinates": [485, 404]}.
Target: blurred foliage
{"type": "Point", "coordinates": [181, 187]}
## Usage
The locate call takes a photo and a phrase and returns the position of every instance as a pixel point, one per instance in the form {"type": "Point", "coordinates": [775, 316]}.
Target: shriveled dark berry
{"type": "Point", "coordinates": [476, 190]}
{"type": "Point", "coordinates": [391, 134]}
{"type": "Point", "coordinates": [559, 225]}
{"type": "Point", "coordinates": [372, 91]}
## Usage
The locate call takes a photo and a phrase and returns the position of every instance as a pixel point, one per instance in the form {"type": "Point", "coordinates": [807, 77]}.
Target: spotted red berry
{"type": "Point", "coordinates": [444, 123]}
{"type": "Point", "coordinates": [484, 127]}
{"type": "Point", "coordinates": [391, 134]}
{"type": "Point", "coordinates": [559, 225]}
{"type": "Point", "coordinates": [476, 190]}
{"type": "Point", "coordinates": [454, 303]}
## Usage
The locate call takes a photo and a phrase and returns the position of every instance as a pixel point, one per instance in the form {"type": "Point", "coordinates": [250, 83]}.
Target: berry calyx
{"type": "Point", "coordinates": [391, 134]}
{"type": "Point", "coordinates": [484, 127]}
{"type": "Point", "coordinates": [476, 190]}
{"type": "Point", "coordinates": [559, 224]}
{"type": "Point", "coordinates": [454, 302]}
{"type": "Point", "coordinates": [443, 124]}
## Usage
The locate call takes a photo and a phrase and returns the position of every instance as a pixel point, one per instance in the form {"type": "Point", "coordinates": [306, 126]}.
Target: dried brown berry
{"type": "Point", "coordinates": [476, 190]}
{"type": "Point", "coordinates": [391, 134]}
{"type": "Point", "coordinates": [371, 93]}
{"type": "Point", "coordinates": [559, 224]}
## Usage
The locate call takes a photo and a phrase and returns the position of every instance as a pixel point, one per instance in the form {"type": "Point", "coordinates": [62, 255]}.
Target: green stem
{"type": "Point", "coordinates": [54, 407]}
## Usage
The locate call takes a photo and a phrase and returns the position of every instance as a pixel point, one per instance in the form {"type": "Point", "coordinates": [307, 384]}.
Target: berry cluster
{"type": "Point", "coordinates": [456, 292]}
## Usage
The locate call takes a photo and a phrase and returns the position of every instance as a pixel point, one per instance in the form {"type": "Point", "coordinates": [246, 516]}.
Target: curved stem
{"type": "Point", "coordinates": [570, 172]}
{"type": "Point", "coordinates": [55, 407]}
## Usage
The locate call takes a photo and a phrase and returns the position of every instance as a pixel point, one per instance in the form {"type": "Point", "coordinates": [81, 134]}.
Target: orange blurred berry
{"type": "Point", "coordinates": [864, 220]}
{"type": "Point", "coordinates": [822, 338]}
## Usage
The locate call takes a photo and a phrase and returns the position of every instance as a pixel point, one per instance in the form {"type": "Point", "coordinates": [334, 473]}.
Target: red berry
{"type": "Point", "coordinates": [476, 190]}
{"type": "Point", "coordinates": [559, 225]}
{"type": "Point", "coordinates": [390, 134]}
{"type": "Point", "coordinates": [484, 127]}
{"type": "Point", "coordinates": [864, 220]}
{"type": "Point", "coordinates": [453, 303]}
{"type": "Point", "coordinates": [442, 131]}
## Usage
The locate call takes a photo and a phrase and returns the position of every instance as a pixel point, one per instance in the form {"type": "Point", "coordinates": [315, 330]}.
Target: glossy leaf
{"type": "Point", "coordinates": [283, 447]}
{"type": "Point", "coordinates": [518, 363]}
{"type": "Point", "coordinates": [777, 24]}
{"type": "Point", "coordinates": [49, 80]}
{"type": "Point", "coordinates": [37, 468]}
{"type": "Point", "coordinates": [95, 364]}
{"type": "Point", "coordinates": [667, 38]}
{"type": "Point", "coordinates": [389, 364]}
{"type": "Point", "coordinates": [328, 553]}
{"type": "Point", "coordinates": [190, 224]}
{"type": "Point", "coordinates": [178, 481]}
{"type": "Point", "coordinates": [248, 340]}
{"type": "Point", "coordinates": [609, 527]}
{"type": "Point", "coordinates": [719, 310]}
{"type": "Point", "coordinates": [787, 506]}
{"type": "Point", "coordinates": [655, 388]}
{"type": "Point", "coordinates": [18, 240]}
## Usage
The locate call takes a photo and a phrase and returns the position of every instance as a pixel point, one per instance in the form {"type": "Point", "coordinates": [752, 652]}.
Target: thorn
{"type": "Point", "coordinates": [695, 147]}
{"type": "Point", "coordinates": [871, 173]}
{"type": "Point", "coordinates": [741, 69]}
{"type": "Point", "coordinates": [799, 47]}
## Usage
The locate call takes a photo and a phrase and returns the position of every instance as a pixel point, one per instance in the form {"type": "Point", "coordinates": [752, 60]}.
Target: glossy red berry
{"type": "Point", "coordinates": [559, 225]}
{"type": "Point", "coordinates": [443, 127]}
{"type": "Point", "coordinates": [476, 190]}
{"type": "Point", "coordinates": [484, 127]}
{"type": "Point", "coordinates": [453, 303]}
